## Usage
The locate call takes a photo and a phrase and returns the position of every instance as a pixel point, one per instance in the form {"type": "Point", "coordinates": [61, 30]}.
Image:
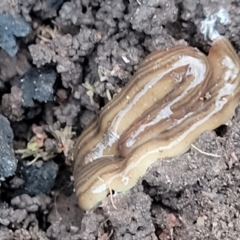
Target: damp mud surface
{"type": "Point", "coordinates": [60, 63]}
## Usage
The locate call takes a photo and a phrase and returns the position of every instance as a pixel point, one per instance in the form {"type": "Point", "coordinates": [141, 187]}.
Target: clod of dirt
{"type": "Point", "coordinates": [13, 66]}
{"type": "Point", "coordinates": [131, 217]}
{"type": "Point", "coordinates": [21, 233]}
{"type": "Point", "coordinates": [127, 216]}
{"type": "Point", "coordinates": [9, 215]}
{"type": "Point", "coordinates": [41, 54]}
{"type": "Point", "coordinates": [66, 51]}
{"type": "Point", "coordinates": [19, 219]}
{"type": "Point", "coordinates": [22, 215]}
{"type": "Point", "coordinates": [6, 233]}
{"type": "Point", "coordinates": [186, 169]}
{"type": "Point", "coordinates": [67, 113]}
{"type": "Point", "coordinates": [60, 231]}
{"type": "Point", "coordinates": [91, 225]}
{"type": "Point", "coordinates": [37, 84]}
{"type": "Point", "coordinates": [44, 9]}
{"type": "Point", "coordinates": [73, 12]}
{"type": "Point", "coordinates": [31, 204]}
{"type": "Point", "coordinates": [16, 182]}
{"type": "Point", "coordinates": [12, 104]}
{"type": "Point", "coordinates": [150, 16]}
{"type": "Point", "coordinates": [8, 162]}
{"type": "Point", "coordinates": [10, 28]}
{"type": "Point", "coordinates": [86, 118]}
{"type": "Point", "coordinates": [64, 218]}
{"type": "Point", "coordinates": [39, 180]}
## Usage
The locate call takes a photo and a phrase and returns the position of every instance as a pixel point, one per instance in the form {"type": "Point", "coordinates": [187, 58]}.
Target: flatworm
{"type": "Point", "coordinates": [175, 95]}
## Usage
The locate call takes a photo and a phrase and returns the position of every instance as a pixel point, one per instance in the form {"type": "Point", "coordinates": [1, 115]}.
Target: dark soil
{"type": "Point", "coordinates": [60, 62]}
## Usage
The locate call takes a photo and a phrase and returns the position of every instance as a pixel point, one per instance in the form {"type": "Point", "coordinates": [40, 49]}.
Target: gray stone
{"type": "Point", "coordinates": [8, 162]}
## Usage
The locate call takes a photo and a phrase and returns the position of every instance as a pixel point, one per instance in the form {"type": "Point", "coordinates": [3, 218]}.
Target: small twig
{"type": "Point", "coordinates": [111, 233]}
{"type": "Point", "coordinates": [34, 160]}
{"type": "Point", "coordinates": [46, 40]}
{"type": "Point", "coordinates": [205, 153]}
{"type": "Point", "coordinates": [110, 190]}
{"type": "Point", "coordinates": [109, 97]}
{"type": "Point", "coordinates": [103, 236]}
{"type": "Point", "coordinates": [139, 2]}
